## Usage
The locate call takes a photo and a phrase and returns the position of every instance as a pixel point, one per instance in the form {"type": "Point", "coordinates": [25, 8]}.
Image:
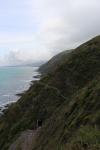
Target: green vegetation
{"type": "Point", "coordinates": [66, 99]}
{"type": "Point", "coordinates": [54, 63]}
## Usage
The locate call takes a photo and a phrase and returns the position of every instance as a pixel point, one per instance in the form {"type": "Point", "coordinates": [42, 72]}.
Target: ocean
{"type": "Point", "coordinates": [14, 80]}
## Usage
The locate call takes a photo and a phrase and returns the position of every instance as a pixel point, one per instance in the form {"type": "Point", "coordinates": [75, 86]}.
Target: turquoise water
{"type": "Point", "coordinates": [14, 80]}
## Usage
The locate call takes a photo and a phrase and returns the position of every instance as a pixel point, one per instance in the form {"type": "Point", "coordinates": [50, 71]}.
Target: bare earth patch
{"type": "Point", "coordinates": [24, 141]}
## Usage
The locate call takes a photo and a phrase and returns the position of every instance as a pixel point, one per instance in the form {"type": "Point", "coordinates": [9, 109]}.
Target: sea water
{"type": "Point", "coordinates": [14, 80]}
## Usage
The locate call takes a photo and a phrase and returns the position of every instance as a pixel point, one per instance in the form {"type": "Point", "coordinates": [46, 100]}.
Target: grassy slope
{"type": "Point", "coordinates": [54, 63]}
{"type": "Point", "coordinates": [71, 123]}
{"type": "Point", "coordinates": [76, 123]}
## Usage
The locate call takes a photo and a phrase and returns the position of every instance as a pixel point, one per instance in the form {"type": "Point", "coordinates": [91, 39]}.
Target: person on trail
{"type": "Point", "coordinates": [39, 123]}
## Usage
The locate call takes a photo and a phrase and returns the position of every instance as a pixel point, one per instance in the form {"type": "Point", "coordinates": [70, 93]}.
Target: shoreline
{"type": "Point", "coordinates": [4, 107]}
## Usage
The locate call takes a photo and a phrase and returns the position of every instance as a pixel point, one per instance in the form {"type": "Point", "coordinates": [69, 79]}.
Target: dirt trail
{"type": "Point", "coordinates": [25, 140]}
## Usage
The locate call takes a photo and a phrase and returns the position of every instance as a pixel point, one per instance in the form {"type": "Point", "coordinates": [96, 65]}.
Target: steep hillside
{"type": "Point", "coordinates": [54, 63]}
{"type": "Point", "coordinates": [67, 103]}
{"type": "Point", "coordinates": [75, 124]}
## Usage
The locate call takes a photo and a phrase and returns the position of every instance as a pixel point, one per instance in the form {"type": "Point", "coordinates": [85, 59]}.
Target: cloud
{"type": "Point", "coordinates": [22, 57]}
{"type": "Point", "coordinates": [67, 23]}
{"type": "Point", "coordinates": [57, 25]}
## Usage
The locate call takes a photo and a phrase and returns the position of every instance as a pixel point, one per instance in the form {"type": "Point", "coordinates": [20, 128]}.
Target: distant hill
{"type": "Point", "coordinates": [32, 64]}
{"type": "Point", "coordinates": [54, 62]}
{"type": "Point", "coordinates": [65, 102]}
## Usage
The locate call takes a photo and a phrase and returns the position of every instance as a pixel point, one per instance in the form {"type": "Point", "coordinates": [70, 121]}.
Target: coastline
{"type": "Point", "coordinates": [18, 95]}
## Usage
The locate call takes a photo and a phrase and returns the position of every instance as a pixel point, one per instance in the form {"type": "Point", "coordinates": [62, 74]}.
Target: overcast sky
{"type": "Point", "coordinates": [35, 30]}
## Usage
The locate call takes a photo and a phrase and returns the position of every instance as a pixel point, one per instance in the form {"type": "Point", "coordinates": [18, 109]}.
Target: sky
{"type": "Point", "coordinates": [35, 30]}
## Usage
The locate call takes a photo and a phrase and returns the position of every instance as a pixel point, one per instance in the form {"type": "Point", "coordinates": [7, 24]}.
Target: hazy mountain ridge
{"type": "Point", "coordinates": [66, 100]}
{"type": "Point", "coordinates": [54, 62]}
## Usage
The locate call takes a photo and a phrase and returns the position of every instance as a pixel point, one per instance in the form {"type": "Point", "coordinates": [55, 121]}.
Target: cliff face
{"type": "Point", "coordinates": [66, 101]}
